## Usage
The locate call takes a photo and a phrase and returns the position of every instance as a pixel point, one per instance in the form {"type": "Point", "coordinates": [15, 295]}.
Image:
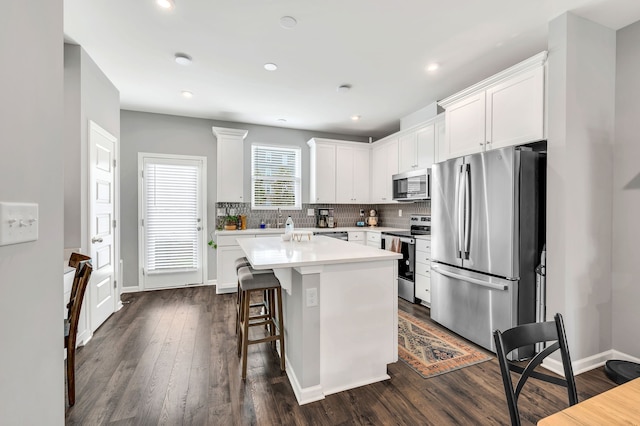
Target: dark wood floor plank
{"type": "Point", "coordinates": [138, 385]}
{"type": "Point", "coordinates": [169, 357]}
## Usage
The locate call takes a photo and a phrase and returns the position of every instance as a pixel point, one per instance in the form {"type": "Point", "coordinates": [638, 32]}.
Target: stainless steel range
{"type": "Point", "coordinates": [405, 243]}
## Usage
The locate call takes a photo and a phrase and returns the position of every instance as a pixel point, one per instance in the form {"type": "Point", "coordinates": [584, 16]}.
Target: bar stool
{"type": "Point", "coordinates": [242, 262]}
{"type": "Point", "coordinates": [268, 283]}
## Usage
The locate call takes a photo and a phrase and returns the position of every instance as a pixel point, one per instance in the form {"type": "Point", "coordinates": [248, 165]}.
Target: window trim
{"type": "Point", "coordinates": [297, 180]}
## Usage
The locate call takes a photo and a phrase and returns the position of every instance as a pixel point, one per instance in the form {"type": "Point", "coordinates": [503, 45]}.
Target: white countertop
{"type": "Point", "coordinates": [281, 230]}
{"type": "Point", "coordinates": [272, 252]}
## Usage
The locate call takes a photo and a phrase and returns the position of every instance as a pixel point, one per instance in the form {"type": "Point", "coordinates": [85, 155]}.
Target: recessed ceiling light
{"type": "Point", "coordinates": [187, 94]}
{"type": "Point", "coordinates": [282, 120]}
{"type": "Point", "coordinates": [183, 59]}
{"type": "Point", "coordinates": [166, 4]}
{"type": "Point", "coordinates": [432, 67]}
{"type": "Point", "coordinates": [343, 88]}
{"type": "Point", "coordinates": [288, 22]}
{"type": "Point", "coordinates": [270, 67]}
{"type": "Point", "coordinates": [355, 117]}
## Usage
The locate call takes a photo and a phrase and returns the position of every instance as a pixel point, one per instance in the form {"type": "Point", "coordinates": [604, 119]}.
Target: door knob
{"type": "Point", "coordinates": [199, 228]}
{"type": "Point", "coordinates": [96, 240]}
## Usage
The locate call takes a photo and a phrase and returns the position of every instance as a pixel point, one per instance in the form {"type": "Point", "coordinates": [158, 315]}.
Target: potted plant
{"type": "Point", "coordinates": [231, 222]}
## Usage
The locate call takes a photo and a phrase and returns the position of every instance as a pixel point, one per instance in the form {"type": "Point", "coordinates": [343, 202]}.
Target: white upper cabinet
{"type": "Point", "coordinates": [515, 110]}
{"type": "Point", "coordinates": [442, 149]}
{"type": "Point", "coordinates": [322, 171]}
{"type": "Point", "coordinates": [416, 148]}
{"type": "Point", "coordinates": [384, 164]}
{"type": "Point", "coordinates": [352, 174]}
{"type": "Point", "coordinates": [230, 164]}
{"type": "Point", "coordinates": [338, 172]}
{"type": "Point", "coordinates": [503, 110]}
{"type": "Point", "coordinates": [465, 121]}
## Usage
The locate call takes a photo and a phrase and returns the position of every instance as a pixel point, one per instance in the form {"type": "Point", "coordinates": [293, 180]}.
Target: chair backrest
{"type": "Point", "coordinates": [75, 303]}
{"type": "Point", "coordinates": [76, 260]}
{"type": "Point", "coordinates": [526, 335]}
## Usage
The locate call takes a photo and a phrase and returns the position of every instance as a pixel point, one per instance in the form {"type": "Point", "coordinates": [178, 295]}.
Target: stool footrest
{"type": "Point", "coordinates": [263, 340]}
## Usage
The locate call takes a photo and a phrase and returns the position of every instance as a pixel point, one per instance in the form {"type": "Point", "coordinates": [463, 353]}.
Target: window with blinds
{"type": "Point", "coordinates": [275, 177]}
{"type": "Point", "coordinates": [171, 215]}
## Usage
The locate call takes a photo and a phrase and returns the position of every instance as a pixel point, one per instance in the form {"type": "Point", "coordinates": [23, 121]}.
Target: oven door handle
{"type": "Point", "coordinates": [483, 283]}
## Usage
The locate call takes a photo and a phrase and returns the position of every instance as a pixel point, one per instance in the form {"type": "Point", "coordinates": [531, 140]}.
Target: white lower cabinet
{"type": "Point", "coordinates": [227, 253]}
{"type": "Point", "coordinates": [374, 239]}
{"type": "Point", "coordinates": [357, 237]}
{"type": "Point", "coordinates": [423, 271]}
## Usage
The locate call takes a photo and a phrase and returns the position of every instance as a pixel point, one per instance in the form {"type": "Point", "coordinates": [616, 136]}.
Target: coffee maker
{"type": "Point", "coordinates": [372, 219]}
{"type": "Point", "coordinates": [324, 218]}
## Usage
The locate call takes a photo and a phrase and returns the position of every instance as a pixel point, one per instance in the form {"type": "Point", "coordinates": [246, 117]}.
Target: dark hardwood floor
{"type": "Point", "coordinates": [169, 357]}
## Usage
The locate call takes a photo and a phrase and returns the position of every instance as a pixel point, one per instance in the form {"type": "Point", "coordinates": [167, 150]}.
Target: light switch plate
{"type": "Point", "coordinates": [310, 212]}
{"type": "Point", "coordinates": [399, 212]}
{"type": "Point", "coordinates": [312, 297]}
{"type": "Point", "coordinates": [18, 223]}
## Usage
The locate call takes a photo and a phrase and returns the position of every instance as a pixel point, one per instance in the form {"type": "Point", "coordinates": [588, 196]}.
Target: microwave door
{"type": "Point", "coordinates": [446, 233]}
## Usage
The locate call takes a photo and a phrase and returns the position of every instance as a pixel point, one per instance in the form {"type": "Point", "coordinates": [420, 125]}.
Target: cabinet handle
{"type": "Point", "coordinates": [481, 143]}
{"type": "Point", "coordinates": [488, 142]}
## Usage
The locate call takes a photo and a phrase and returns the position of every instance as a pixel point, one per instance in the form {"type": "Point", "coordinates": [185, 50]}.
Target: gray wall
{"type": "Point", "coordinates": [31, 119]}
{"type": "Point", "coordinates": [167, 134]}
{"type": "Point", "coordinates": [581, 90]}
{"type": "Point", "coordinates": [89, 95]}
{"type": "Point", "coordinates": [626, 194]}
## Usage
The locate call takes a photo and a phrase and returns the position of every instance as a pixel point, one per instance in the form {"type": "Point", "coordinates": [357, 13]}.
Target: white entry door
{"type": "Point", "coordinates": [172, 220]}
{"type": "Point", "coordinates": [102, 293]}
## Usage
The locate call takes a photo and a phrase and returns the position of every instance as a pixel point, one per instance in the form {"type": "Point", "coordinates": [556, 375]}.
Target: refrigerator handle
{"type": "Point", "coordinates": [493, 286]}
{"type": "Point", "coordinates": [460, 218]}
{"type": "Point", "coordinates": [467, 210]}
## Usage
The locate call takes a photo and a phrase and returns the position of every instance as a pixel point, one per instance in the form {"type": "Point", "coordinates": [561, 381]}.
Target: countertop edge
{"type": "Point", "coordinates": [258, 231]}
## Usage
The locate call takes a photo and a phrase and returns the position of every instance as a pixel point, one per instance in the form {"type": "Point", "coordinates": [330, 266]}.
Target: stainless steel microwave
{"type": "Point", "coordinates": [412, 186]}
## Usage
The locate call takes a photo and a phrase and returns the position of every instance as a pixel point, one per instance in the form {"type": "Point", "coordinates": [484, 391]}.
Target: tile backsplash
{"type": "Point", "coordinates": [344, 214]}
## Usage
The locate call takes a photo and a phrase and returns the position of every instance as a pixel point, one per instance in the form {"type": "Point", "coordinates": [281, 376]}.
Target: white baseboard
{"type": "Point", "coordinates": [589, 363]}
{"type": "Point", "coordinates": [303, 395]}
{"type": "Point", "coordinates": [135, 289]}
{"type": "Point", "coordinates": [624, 357]}
{"type": "Point", "coordinates": [83, 338]}
{"type": "Point", "coordinates": [226, 288]}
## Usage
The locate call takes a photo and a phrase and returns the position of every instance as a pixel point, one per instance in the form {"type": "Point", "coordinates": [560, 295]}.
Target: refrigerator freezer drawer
{"type": "Point", "coordinates": [471, 304]}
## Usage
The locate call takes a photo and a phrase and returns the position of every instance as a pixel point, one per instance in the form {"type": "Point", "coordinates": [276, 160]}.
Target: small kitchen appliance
{"type": "Point", "coordinates": [372, 219]}
{"type": "Point", "coordinates": [324, 218]}
{"type": "Point", "coordinates": [412, 186]}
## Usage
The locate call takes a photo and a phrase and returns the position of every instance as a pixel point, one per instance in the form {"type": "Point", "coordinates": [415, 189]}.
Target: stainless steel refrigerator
{"type": "Point", "coordinates": [487, 213]}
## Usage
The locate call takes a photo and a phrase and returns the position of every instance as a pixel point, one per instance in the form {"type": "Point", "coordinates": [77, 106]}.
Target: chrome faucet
{"type": "Point", "coordinates": [279, 219]}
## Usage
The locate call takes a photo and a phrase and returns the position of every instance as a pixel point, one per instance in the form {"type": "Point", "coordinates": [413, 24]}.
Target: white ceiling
{"type": "Point", "coordinates": [380, 47]}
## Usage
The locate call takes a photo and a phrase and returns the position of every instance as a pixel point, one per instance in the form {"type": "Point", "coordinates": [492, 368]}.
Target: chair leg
{"type": "Point", "coordinates": [271, 317]}
{"type": "Point", "coordinates": [281, 328]}
{"type": "Point", "coordinates": [238, 308]}
{"type": "Point", "coordinates": [240, 320]}
{"type": "Point", "coordinates": [245, 331]}
{"type": "Point", "coordinates": [71, 376]}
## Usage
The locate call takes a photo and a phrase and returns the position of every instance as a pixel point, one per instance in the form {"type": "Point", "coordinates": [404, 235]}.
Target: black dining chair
{"type": "Point", "coordinates": [527, 335]}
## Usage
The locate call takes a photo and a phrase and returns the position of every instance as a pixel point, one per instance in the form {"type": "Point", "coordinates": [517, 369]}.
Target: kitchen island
{"type": "Point", "coordinates": [340, 311]}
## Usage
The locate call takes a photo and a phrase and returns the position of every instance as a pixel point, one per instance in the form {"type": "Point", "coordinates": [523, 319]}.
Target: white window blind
{"type": "Point", "coordinates": [171, 216]}
{"type": "Point", "coordinates": [275, 177]}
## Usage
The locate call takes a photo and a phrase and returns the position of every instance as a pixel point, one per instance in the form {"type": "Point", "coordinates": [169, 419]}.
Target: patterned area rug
{"type": "Point", "coordinates": [431, 351]}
